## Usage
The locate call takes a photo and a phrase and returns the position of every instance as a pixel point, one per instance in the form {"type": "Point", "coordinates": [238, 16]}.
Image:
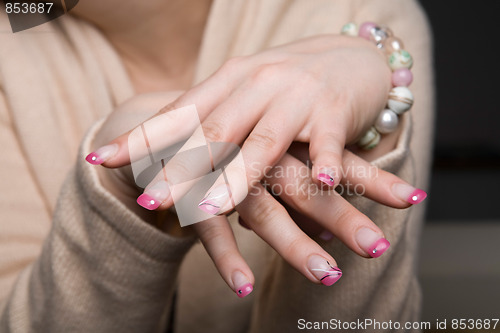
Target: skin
{"type": "Point", "coordinates": [144, 33]}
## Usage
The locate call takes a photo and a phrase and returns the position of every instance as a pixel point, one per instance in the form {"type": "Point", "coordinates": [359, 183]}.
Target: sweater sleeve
{"type": "Point", "coordinates": [99, 269]}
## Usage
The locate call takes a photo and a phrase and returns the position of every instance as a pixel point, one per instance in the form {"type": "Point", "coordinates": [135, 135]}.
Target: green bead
{"type": "Point", "coordinates": [400, 59]}
{"type": "Point", "coordinates": [349, 29]}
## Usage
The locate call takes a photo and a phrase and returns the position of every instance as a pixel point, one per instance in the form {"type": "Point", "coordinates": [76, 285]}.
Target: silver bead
{"type": "Point", "coordinates": [370, 139]}
{"type": "Point", "coordinates": [378, 36]}
{"type": "Point", "coordinates": [387, 30]}
{"type": "Point", "coordinates": [400, 99]}
{"type": "Point", "coordinates": [387, 121]}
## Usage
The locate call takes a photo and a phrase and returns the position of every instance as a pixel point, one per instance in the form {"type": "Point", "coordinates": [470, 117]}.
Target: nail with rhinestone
{"type": "Point", "coordinates": [326, 176]}
{"type": "Point", "coordinates": [242, 286]}
{"type": "Point", "coordinates": [154, 196]}
{"type": "Point", "coordinates": [408, 193]}
{"type": "Point", "coordinates": [102, 154]}
{"type": "Point", "coordinates": [323, 270]}
{"type": "Point", "coordinates": [372, 242]}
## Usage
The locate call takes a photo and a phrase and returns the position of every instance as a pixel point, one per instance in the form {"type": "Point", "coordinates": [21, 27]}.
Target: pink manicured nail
{"type": "Point", "coordinates": [102, 154]}
{"type": "Point", "coordinates": [326, 176]}
{"type": "Point", "coordinates": [153, 197]}
{"type": "Point", "coordinates": [215, 200]}
{"type": "Point", "coordinates": [370, 241]}
{"type": "Point", "coordinates": [326, 235]}
{"type": "Point", "coordinates": [417, 197]}
{"type": "Point", "coordinates": [241, 284]}
{"type": "Point", "coordinates": [409, 193]}
{"type": "Point", "coordinates": [379, 247]}
{"type": "Point", "coordinates": [323, 271]}
{"type": "Point", "coordinates": [244, 290]}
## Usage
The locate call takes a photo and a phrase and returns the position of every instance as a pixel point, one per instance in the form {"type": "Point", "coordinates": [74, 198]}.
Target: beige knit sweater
{"type": "Point", "coordinates": [74, 259]}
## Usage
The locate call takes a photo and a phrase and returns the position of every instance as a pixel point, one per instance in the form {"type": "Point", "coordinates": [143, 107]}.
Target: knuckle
{"type": "Point", "coordinates": [179, 170]}
{"type": "Point", "coordinates": [303, 195]}
{"type": "Point", "coordinates": [264, 139]}
{"type": "Point", "coordinates": [170, 107]}
{"type": "Point", "coordinates": [344, 218]}
{"type": "Point", "coordinates": [232, 63]}
{"type": "Point", "coordinates": [294, 248]}
{"type": "Point", "coordinates": [264, 211]}
{"type": "Point", "coordinates": [214, 131]}
{"type": "Point", "coordinates": [223, 258]}
{"type": "Point", "coordinates": [266, 73]}
{"type": "Point", "coordinates": [211, 233]}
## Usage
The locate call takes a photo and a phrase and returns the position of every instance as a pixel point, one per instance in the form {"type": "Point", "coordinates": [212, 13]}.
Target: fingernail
{"type": "Point", "coordinates": [326, 177]}
{"type": "Point", "coordinates": [215, 200]}
{"type": "Point", "coordinates": [102, 154]}
{"type": "Point", "coordinates": [323, 271]}
{"type": "Point", "coordinates": [242, 286]}
{"type": "Point", "coordinates": [372, 242]}
{"type": "Point", "coordinates": [154, 196]}
{"type": "Point", "coordinates": [326, 235]}
{"type": "Point", "coordinates": [409, 193]}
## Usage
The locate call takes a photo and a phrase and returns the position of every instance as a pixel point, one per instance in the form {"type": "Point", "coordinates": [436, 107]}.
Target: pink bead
{"type": "Point", "coordinates": [402, 77]}
{"type": "Point", "coordinates": [364, 30]}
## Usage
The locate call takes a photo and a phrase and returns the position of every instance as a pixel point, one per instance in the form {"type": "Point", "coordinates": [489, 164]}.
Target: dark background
{"type": "Point", "coordinates": [466, 167]}
{"type": "Point", "coordinates": [459, 265]}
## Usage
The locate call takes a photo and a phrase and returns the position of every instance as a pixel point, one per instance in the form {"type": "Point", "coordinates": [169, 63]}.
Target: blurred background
{"type": "Point", "coordinates": [460, 255]}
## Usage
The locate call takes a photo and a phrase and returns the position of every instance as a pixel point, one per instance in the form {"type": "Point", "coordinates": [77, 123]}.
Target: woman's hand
{"type": "Point", "coordinates": [325, 90]}
{"type": "Point", "coordinates": [299, 210]}
{"type": "Point", "coordinates": [265, 215]}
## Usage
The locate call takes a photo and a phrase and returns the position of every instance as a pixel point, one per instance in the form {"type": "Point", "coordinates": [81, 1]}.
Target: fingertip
{"type": "Point", "coordinates": [324, 270]}
{"type": "Point", "coordinates": [326, 235]}
{"type": "Point", "coordinates": [241, 284]}
{"type": "Point", "coordinates": [408, 194]}
{"type": "Point", "coordinates": [326, 177]}
{"type": "Point", "coordinates": [102, 154]}
{"type": "Point", "coordinates": [148, 202]}
{"type": "Point", "coordinates": [417, 196]}
{"type": "Point", "coordinates": [245, 290]}
{"type": "Point", "coordinates": [94, 159]}
{"type": "Point", "coordinates": [372, 242]}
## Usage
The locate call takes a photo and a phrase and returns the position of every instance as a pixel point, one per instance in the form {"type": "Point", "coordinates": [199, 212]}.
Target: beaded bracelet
{"type": "Point", "coordinates": [400, 61]}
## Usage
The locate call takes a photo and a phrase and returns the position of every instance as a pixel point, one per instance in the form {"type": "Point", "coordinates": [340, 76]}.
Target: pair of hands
{"type": "Point", "coordinates": [325, 91]}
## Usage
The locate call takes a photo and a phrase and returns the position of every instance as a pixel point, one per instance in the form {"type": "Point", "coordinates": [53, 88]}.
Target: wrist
{"type": "Point", "coordinates": [400, 98]}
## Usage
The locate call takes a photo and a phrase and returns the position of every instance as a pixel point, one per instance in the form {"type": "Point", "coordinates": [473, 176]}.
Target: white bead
{"type": "Point", "coordinates": [370, 139]}
{"type": "Point", "coordinates": [400, 99]}
{"type": "Point", "coordinates": [387, 121]}
{"type": "Point", "coordinates": [400, 59]}
{"type": "Point", "coordinates": [349, 29]}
